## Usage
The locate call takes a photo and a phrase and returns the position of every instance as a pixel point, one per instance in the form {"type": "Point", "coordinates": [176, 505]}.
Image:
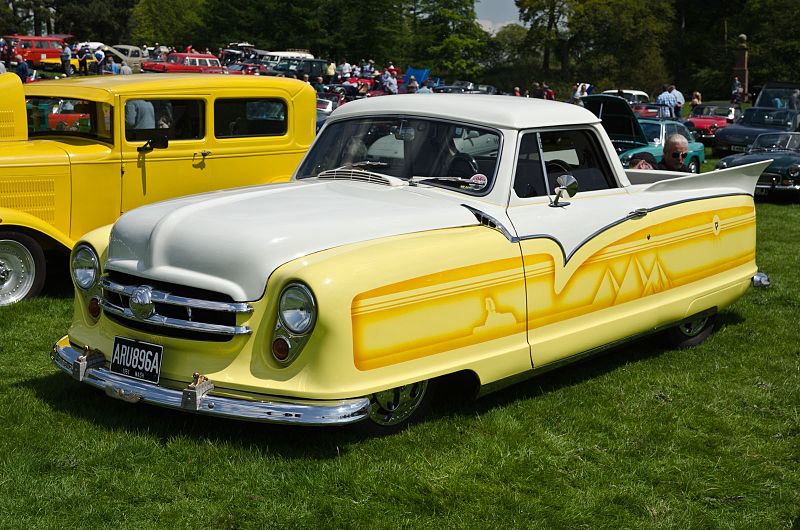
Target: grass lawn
{"type": "Point", "coordinates": [642, 437]}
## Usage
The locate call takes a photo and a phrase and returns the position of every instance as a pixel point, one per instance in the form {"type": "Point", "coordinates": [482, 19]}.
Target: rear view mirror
{"type": "Point", "coordinates": [405, 134]}
{"type": "Point", "coordinates": [567, 184]}
{"type": "Point", "coordinates": [157, 141]}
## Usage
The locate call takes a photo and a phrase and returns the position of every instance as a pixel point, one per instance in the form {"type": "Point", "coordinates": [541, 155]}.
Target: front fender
{"type": "Point", "coordinates": [10, 218]}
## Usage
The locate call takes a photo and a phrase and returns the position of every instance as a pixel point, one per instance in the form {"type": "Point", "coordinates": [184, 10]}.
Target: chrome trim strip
{"type": "Point", "coordinates": [174, 323]}
{"type": "Point", "coordinates": [171, 299]}
{"type": "Point", "coordinates": [778, 187]}
{"type": "Point", "coordinates": [497, 224]}
{"type": "Point", "coordinates": [272, 409]}
{"type": "Point", "coordinates": [637, 214]}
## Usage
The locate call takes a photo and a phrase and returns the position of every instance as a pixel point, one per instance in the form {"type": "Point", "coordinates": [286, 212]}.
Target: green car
{"type": "Point", "coordinates": [631, 135]}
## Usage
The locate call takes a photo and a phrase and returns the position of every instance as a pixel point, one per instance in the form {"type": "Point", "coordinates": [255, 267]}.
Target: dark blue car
{"type": "Point", "coordinates": [738, 137]}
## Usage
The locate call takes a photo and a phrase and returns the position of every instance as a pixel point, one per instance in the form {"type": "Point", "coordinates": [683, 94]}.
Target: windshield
{"type": "Point", "coordinates": [408, 147]}
{"type": "Point", "coordinates": [778, 119]}
{"type": "Point", "coordinates": [778, 97]}
{"type": "Point", "coordinates": [70, 117]}
{"type": "Point", "coordinates": [789, 141]}
{"type": "Point", "coordinates": [652, 131]}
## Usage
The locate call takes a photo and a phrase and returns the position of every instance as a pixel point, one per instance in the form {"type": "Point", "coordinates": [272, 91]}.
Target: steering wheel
{"type": "Point", "coordinates": [557, 166]}
{"type": "Point", "coordinates": [462, 165]}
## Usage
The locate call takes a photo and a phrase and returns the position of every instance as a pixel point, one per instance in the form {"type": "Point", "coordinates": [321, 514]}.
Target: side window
{"type": "Point", "coordinates": [179, 119]}
{"type": "Point", "coordinates": [528, 179]}
{"type": "Point", "coordinates": [135, 53]}
{"type": "Point", "coordinates": [249, 117]}
{"type": "Point", "coordinates": [25, 44]}
{"type": "Point", "coordinates": [41, 44]}
{"type": "Point", "coordinates": [54, 44]}
{"type": "Point", "coordinates": [577, 153]}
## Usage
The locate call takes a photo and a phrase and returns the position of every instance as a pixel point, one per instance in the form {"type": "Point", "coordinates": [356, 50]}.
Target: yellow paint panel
{"type": "Point", "coordinates": [465, 306]}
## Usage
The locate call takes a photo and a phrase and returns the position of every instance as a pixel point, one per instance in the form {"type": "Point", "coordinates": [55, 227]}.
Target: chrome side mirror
{"type": "Point", "coordinates": [566, 184]}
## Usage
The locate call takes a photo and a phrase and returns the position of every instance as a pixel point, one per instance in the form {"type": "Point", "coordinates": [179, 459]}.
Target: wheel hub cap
{"type": "Point", "coordinates": [17, 271]}
{"type": "Point", "coordinates": [393, 406]}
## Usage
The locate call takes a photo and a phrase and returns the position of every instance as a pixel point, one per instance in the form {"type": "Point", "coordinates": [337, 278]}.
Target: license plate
{"type": "Point", "coordinates": [136, 359]}
{"type": "Point", "coordinates": [740, 148]}
{"type": "Point", "coordinates": [761, 191]}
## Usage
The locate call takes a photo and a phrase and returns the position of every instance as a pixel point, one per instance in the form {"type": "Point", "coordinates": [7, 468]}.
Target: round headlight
{"type": "Point", "coordinates": [793, 171]}
{"type": "Point", "coordinates": [721, 164]}
{"type": "Point", "coordinates": [85, 267]}
{"type": "Point", "coordinates": [297, 309]}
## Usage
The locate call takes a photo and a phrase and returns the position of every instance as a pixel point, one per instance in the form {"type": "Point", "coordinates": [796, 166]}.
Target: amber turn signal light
{"type": "Point", "coordinates": [280, 349]}
{"type": "Point", "coordinates": [94, 307]}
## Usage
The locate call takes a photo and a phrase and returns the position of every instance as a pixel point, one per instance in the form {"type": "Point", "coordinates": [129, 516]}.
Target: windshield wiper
{"type": "Point", "coordinates": [367, 163]}
{"type": "Point", "coordinates": [474, 184]}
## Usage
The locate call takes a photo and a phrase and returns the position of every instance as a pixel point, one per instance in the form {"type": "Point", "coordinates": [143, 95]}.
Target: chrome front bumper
{"type": "Point", "coordinates": [201, 399]}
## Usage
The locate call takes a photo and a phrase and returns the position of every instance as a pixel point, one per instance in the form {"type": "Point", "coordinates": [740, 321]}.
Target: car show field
{"type": "Point", "coordinates": [642, 437]}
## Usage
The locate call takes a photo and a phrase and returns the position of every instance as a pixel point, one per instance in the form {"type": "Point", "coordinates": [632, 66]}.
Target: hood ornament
{"type": "Point", "coordinates": [141, 302]}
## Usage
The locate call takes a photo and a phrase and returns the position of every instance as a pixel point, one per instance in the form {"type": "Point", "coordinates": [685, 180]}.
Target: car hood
{"type": "Point", "coordinates": [231, 241]}
{"type": "Point", "coordinates": [619, 121]}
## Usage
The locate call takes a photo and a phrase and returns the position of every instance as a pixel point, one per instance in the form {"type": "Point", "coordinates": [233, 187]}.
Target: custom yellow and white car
{"type": "Point", "coordinates": [77, 153]}
{"type": "Point", "coordinates": [420, 237]}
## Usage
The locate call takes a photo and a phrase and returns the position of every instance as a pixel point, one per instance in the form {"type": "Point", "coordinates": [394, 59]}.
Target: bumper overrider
{"type": "Point", "coordinates": [89, 366]}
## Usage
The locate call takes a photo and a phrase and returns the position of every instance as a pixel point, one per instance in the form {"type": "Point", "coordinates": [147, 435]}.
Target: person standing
{"type": "Point", "coordinates": [537, 91]}
{"type": "Point", "coordinates": [22, 69]}
{"type": "Point", "coordinates": [125, 69]}
{"type": "Point", "coordinates": [83, 60]}
{"type": "Point", "coordinates": [66, 60]}
{"type": "Point", "coordinates": [667, 102]}
{"type": "Point", "coordinates": [346, 70]}
{"type": "Point", "coordinates": [697, 98]}
{"type": "Point", "coordinates": [679, 101]}
{"type": "Point", "coordinates": [391, 84]}
{"type": "Point", "coordinates": [100, 58]}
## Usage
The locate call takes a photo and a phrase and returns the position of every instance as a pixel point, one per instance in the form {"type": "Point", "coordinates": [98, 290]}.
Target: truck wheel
{"type": "Point", "coordinates": [394, 409]}
{"type": "Point", "coordinates": [22, 267]}
{"type": "Point", "coordinates": [691, 332]}
{"type": "Point", "coordinates": [694, 166]}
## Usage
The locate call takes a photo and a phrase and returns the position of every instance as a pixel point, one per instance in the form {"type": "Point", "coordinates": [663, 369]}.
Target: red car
{"type": "Point", "coordinates": [33, 49]}
{"type": "Point", "coordinates": [707, 118]}
{"type": "Point", "coordinates": [202, 63]}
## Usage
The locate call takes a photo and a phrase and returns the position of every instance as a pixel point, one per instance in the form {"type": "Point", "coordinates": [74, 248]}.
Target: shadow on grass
{"type": "Point", "coordinates": [67, 396]}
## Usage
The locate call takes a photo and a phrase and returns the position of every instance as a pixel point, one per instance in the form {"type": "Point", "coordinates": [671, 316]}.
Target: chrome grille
{"type": "Point", "coordinates": [174, 310]}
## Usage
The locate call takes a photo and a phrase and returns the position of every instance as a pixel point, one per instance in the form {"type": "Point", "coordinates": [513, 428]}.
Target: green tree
{"type": "Point", "coordinates": [547, 20]}
{"type": "Point", "coordinates": [448, 36]}
{"type": "Point", "coordinates": [621, 42]}
{"type": "Point", "coordinates": [176, 22]}
{"type": "Point", "coordinates": [97, 20]}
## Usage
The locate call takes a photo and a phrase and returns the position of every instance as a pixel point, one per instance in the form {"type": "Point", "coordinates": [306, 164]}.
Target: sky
{"type": "Point", "coordinates": [494, 14]}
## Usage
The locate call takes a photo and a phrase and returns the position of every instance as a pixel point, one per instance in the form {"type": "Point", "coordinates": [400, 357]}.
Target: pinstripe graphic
{"type": "Point", "coordinates": [467, 306]}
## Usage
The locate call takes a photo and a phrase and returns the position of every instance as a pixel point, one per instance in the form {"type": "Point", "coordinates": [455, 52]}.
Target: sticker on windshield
{"type": "Point", "coordinates": [478, 181]}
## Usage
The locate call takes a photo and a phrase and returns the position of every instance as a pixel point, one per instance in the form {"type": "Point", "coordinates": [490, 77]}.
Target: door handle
{"type": "Point", "coordinates": [205, 152]}
{"type": "Point", "coordinates": [638, 213]}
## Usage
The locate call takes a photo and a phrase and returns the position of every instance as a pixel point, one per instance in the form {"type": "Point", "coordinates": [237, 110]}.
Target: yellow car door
{"type": "Point", "coordinates": [164, 145]}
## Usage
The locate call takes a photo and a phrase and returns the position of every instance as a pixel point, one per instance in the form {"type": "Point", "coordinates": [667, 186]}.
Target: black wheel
{"type": "Point", "coordinates": [71, 70]}
{"type": "Point", "coordinates": [22, 267]}
{"type": "Point", "coordinates": [462, 165]}
{"type": "Point", "coordinates": [694, 165]}
{"type": "Point", "coordinates": [395, 409]}
{"type": "Point", "coordinates": [691, 332]}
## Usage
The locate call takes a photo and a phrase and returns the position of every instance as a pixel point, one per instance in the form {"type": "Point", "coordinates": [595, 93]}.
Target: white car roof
{"type": "Point", "coordinates": [506, 112]}
{"type": "Point", "coordinates": [627, 91]}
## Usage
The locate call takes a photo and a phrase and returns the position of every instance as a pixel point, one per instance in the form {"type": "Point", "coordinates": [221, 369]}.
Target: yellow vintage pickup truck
{"type": "Point", "coordinates": [75, 154]}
